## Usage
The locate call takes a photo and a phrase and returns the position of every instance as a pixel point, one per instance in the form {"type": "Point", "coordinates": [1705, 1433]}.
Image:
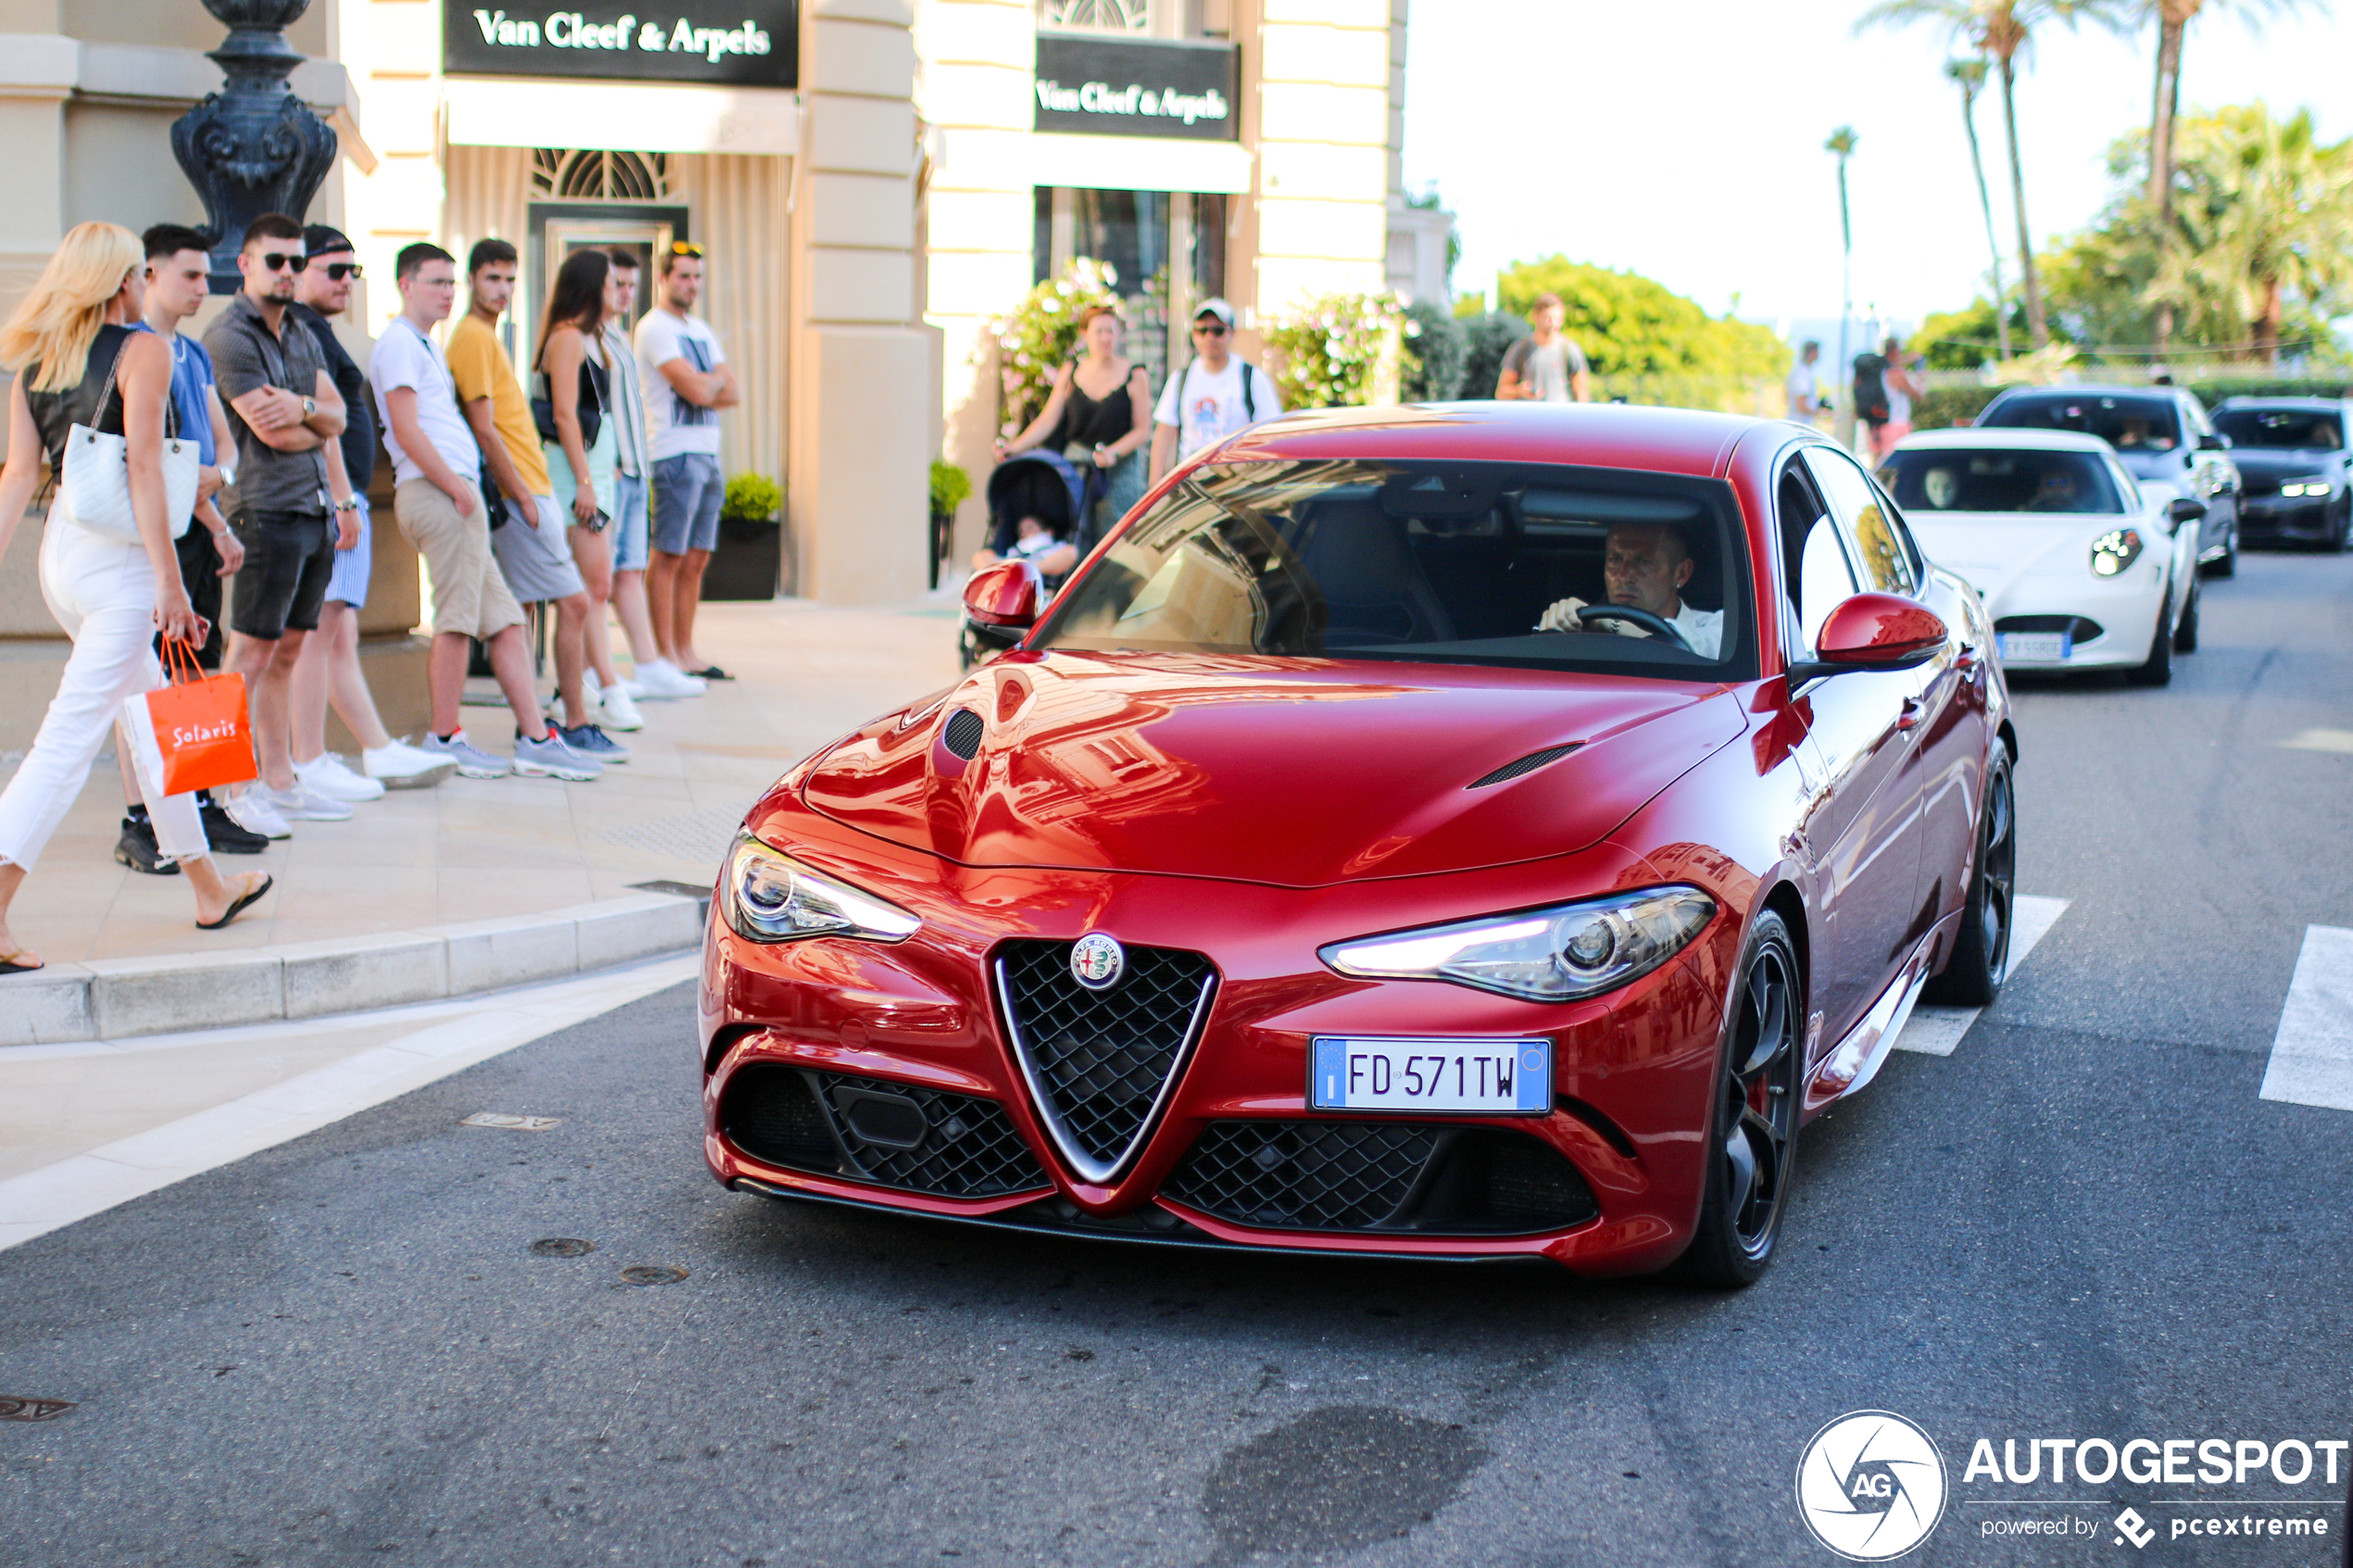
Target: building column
{"type": "Point", "coordinates": [1324, 134]}
{"type": "Point", "coordinates": [860, 406]}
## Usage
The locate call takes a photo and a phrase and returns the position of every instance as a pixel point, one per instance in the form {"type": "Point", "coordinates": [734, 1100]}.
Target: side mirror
{"type": "Point", "coordinates": [1001, 603]}
{"type": "Point", "coordinates": [2184, 509]}
{"type": "Point", "coordinates": [2213, 442]}
{"type": "Point", "coordinates": [1872, 632]}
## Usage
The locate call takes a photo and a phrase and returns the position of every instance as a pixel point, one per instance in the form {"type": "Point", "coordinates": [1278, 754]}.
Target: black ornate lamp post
{"type": "Point", "coordinates": [253, 147]}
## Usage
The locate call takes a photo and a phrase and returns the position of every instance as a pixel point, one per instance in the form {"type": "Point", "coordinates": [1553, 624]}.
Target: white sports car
{"type": "Point", "coordinates": [2078, 568]}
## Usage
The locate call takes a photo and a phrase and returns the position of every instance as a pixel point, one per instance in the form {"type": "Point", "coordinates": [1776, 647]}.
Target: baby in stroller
{"type": "Point", "coordinates": [1038, 542]}
{"type": "Point", "coordinates": [1034, 516]}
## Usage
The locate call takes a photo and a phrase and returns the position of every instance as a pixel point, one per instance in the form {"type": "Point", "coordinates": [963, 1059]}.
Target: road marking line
{"type": "Point", "coordinates": [1937, 1031]}
{"type": "Point", "coordinates": [2312, 1055]}
{"type": "Point", "coordinates": [82, 1184]}
{"type": "Point", "coordinates": [2321, 740]}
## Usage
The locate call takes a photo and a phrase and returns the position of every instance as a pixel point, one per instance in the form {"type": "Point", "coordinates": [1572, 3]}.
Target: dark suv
{"type": "Point", "coordinates": [2163, 433]}
{"type": "Point", "coordinates": [2292, 458]}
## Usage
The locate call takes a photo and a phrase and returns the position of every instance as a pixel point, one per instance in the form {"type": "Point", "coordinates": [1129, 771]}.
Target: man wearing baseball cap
{"type": "Point", "coordinates": [1215, 394]}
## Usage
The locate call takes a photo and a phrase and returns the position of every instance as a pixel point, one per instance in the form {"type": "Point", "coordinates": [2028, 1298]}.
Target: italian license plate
{"type": "Point", "coordinates": [1482, 1077]}
{"type": "Point", "coordinates": [2036, 647]}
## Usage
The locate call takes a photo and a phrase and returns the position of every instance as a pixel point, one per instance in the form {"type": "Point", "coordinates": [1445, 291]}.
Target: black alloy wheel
{"type": "Point", "coordinates": [1981, 958]}
{"type": "Point", "coordinates": [1752, 1148]}
{"type": "Point", "coordinates": [2158, 669]}
{"type": "Point", "coordinates": [2185, 633]}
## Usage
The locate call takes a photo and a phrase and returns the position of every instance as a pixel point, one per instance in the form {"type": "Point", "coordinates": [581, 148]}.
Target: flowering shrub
{"type": "Point", "coordinates": [1041, 335]}
{"type": "Point", "coordinates": [1338, 351]}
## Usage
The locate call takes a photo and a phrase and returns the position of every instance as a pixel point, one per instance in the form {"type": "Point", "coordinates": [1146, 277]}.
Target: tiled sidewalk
{"type": "Point", "coordinates": [470, 850]}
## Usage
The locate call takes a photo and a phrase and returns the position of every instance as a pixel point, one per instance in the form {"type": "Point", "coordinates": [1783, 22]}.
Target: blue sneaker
{"type": "Point", "coordinates": [590, 740]}
{"type": "Point", "coordinates": [472, 762]}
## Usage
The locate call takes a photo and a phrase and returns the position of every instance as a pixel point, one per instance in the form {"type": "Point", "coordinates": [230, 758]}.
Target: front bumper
{"type": "Point", "coordinates": [1608, 1183]}
{"type": "Point", "coordinates": [2124, 609]}
{"type": "Point", "coordinates": [2275, 520]}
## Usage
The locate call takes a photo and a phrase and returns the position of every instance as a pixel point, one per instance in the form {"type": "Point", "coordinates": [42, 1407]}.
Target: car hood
{"type": "Point", "coordinates": [1996, 549]}
{"type": "Point", "coordinates": [2286, 462]}
{"type": "Point", "coordinates": [1289, 772]}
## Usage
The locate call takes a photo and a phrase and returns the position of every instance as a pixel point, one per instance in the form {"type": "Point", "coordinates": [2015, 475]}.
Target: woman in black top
{"type": "Point", "coordinates": [1099, 415]}
{"type": "Point", "coordinates": [68, 340]}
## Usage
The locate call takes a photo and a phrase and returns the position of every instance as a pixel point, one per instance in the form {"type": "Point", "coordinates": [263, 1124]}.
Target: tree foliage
{"type": "Point", "coordinates": [1437, 350]}
{"type": "Point", "coordinates": [1631, 326]}
{"type": "Point", "coordinates": [1329, 351]}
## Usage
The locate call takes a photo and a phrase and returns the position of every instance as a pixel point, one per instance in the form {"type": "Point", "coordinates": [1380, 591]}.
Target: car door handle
{"type": "Point", "coordinates": [1915, 710]}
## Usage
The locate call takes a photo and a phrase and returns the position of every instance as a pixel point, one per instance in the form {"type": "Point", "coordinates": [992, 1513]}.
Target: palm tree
{"type": "Point", "coordinates": [2002, 29]}
{"type": "Point", "coordinates": [1970, 77]}
{"type": "Point", "coordinates": [1841, 146]}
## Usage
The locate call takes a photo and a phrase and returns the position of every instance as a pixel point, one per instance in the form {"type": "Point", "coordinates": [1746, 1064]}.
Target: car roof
{"type": "Point", "coordinates": [2301, 404]}
{"type": "Point", "coordinates": [2085, 389]}
{"type": "Point", "coordinates": [1983, 437]}
{"type": "Point", "coordinates": [1681, 440]}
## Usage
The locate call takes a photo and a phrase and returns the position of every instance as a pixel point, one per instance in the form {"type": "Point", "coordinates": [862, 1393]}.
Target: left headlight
{"type": "Point", "coordinates": [769, 897]}
{"type": "Point", "coordinates": [2115, 550]}
{"type": "Point", "coordinates": [2311, 484]}
{"type": "Point", "coordinates": [1557, 955]}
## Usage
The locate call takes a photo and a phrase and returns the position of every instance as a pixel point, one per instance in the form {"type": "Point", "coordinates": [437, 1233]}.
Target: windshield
{"type": "Point", "coordinates": [1445, 562]}
{"type": "Point", "coordinates": [2299, 428]}
{"type": "Point", "coordinates": [2129, 424]}
{"type": "Point", "coordinates": [2000, 480]}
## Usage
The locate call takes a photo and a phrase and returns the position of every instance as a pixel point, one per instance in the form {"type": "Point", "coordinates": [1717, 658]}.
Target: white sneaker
{"type": "Point", "coordinates": [399, 765]}
{"type": "Point", "coordinates": [303, 804]}
{"type": "Point", "coordinates": [251, 810]}
{"type": "Point", "coordinates": [663, 681]}
{"type": "Point", "coordinates": [326, 774]}
{"type": "Point", "coordinates": [621, 709]}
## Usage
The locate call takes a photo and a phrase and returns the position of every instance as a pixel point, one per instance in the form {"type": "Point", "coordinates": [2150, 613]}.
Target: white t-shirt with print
{"type": "Point", "coordinates": [675, 424]}
{"type": "Point", "coordinates": [407, 358]}
{"type": "Point", "coordinates": [1206, 405]}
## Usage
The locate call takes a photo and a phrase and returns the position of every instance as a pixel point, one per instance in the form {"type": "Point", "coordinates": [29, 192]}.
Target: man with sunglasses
{"type": "Point", "coordinates": [1216, 395]}
{"type": "Point", "coordinates": [292, 507]}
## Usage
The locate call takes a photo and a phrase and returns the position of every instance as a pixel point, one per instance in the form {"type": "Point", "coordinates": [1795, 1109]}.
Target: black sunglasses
{"type": "Point", "coordinates": [1211, 328]}
{"type": "Point", "coordinates": [339, 270]}
{"type": "Point", "coordinates": [277, 261]}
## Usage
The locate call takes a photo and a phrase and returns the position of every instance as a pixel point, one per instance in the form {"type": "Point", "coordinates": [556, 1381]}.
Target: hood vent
{"type": "Point", "coordinates": [964, 733]}
{"type": "Point", "coordinates": [1525, 766]}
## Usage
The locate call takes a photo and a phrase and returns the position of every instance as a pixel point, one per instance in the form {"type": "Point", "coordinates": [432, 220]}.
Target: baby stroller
{"type": "Point", "coordinates": [1034, 483]}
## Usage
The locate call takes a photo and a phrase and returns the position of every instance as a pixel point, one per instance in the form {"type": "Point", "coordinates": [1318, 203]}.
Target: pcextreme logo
{"type": "Point", "coordinates": [1870, 1486]}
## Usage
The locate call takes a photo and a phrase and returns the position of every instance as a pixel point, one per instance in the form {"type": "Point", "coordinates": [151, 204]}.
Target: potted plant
{"type": "Point", "coordinates": [750, 551]}
{"type": "Point", "coordinates": [949, 486]}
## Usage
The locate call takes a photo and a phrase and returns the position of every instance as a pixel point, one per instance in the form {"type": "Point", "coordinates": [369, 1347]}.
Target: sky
{"type": "Point", "coordinates": [1684, 140]}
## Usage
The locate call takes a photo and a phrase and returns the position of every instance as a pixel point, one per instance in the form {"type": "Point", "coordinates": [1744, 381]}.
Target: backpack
{"type": "Point", "coordinates": [1871, 388]}
{"type": "Point", "coordinates": [1250, 397]}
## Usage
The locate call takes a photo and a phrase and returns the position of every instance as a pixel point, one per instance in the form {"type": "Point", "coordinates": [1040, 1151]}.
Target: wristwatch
{"type": "Point", "coordinates": [310, 406]}
{"type": "Point", "coordinates": [349, 504]}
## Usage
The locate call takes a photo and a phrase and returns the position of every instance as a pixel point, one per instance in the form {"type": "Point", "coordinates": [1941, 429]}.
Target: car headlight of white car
{"type": "Point", "coordinates": [2314, 485]}
{"type": "Point", "coordinates": [769, 897]}
{"type": "Point", "coordinates": [2115, 550]}
{"type": "Point", "coordinates": [1555, 955]}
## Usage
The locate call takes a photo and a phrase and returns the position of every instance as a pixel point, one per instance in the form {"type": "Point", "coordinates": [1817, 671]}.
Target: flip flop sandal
{"type": "Point", "coordinates": [711, 674]}
{"type": "Point", "coordinates": [240, 906]}
{"type": "Point", "coordinates": [8, 964]}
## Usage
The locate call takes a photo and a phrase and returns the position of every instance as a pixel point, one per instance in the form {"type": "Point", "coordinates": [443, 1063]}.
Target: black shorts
{"type": "Point", "coordinates": [289, 557]}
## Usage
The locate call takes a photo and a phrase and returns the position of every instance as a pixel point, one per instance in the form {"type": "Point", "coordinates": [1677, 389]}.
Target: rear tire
{"type": "Point", "coordinates": [1752, 1137]}
{"type": "Point", "coordinates": [2185, 635]}
{"type": "Point", "coordinates": [1980, 960]}
{"type": "Point", "coordinates": [2158, 669]}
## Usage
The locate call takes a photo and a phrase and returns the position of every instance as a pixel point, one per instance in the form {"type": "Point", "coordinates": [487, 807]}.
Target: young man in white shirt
{"type": "Point", "coordinates": [438, 505]}
{"type": "Point", "coordinates": [1804, 387]}
{"type": "Point", "coordinates": [688, 380]}
{"type": "Point", "coordinates": [1211, 397]}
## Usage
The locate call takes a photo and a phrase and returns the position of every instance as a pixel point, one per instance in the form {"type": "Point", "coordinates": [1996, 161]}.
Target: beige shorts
{"type": "Point", "coordinates": [470, 594]}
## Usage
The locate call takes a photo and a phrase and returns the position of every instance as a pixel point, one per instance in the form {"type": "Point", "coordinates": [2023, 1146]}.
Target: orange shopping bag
{"type": "Point", "coordinates": [192, 733]}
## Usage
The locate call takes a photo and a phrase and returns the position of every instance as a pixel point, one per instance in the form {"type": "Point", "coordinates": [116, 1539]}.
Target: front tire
{"type": "Point", "coordinates": [1752, 1139]}
{"type": "Point", "coordinates": [2158, 670]}
{"type": "Point", "coordinates": [1981, 960]}
{"type": "Point", "coordinates": [2185, 635]}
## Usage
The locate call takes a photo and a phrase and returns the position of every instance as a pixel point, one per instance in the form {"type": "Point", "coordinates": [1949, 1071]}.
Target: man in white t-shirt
{"type": "Point", "coordinates": [1211, 397]}
{"type": "Point", "coordinates": [1804, 387]}
{"type": "Point", "coordinates": [437, 502]}
{"type": "Point", "coordinates": [1646, 566]}
{"type": "Point", "coordinates": [688, 380]}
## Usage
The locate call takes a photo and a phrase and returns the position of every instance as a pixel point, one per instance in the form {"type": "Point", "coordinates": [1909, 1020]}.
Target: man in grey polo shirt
{"type": "Point", "coordinates": [292, 507]}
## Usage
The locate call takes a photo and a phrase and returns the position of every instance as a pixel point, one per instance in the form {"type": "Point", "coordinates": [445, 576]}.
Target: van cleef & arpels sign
{"type": "Point", "coordinates": [1138, 87]}
{"type": "Point", "coordinates": [710, 42]}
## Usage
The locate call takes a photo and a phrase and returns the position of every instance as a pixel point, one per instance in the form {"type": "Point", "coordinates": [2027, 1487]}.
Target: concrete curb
{"type": "Point", "coordinates": [114, 998]}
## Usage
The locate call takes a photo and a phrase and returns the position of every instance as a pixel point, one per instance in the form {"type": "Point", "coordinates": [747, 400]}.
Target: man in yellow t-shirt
{"type": "Point", "coordinates": [534, 548]}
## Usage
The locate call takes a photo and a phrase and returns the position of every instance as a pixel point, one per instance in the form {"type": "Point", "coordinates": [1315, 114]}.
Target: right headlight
{"type": "Point", "coordinates": [1556, 954]}
{"type": "Point", "coordinates": [2115, 550]}
{"type": "Point", "coordinates": [767, 895]}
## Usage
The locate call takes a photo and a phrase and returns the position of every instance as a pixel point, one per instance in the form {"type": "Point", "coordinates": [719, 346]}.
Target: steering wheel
{"type": "Point", "coordinates": [1656, 625]}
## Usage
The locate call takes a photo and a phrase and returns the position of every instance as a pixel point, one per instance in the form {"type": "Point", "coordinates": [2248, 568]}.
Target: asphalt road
{"type": "Point", "coordinates": [2083, 1224]}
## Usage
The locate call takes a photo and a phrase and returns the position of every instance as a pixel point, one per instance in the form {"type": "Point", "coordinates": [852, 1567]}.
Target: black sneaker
{"type": "Point", "coordinates": [137, 848]}
{"type": "Point", "coordinates": [222, 833]}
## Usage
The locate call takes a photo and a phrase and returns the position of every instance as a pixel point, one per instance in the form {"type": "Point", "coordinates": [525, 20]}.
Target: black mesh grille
{"type": "Point", "coordinates": [1101, 1057]}
{"type": "Point", "coordinates": [1381, 1176]}
{"type": "Point", "coordinates": [1526, 764]}
{"type": "Point", "coordinates": [964, 731]}
{"type": "Point", "coordinates": [970, 1148]}
{"type": "Point", "coordinates": [2084, 626]}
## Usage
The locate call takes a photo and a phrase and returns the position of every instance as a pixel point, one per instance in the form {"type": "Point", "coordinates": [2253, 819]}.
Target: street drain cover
{"type": "Point", "coordinates": [13, 1409]}
{"type": "Point", "coordinates": [562, 1247]}
{"type": "Point", "coordinates": [651, 1273]}
{"type": "Point", "coordinates": [514, 1123]}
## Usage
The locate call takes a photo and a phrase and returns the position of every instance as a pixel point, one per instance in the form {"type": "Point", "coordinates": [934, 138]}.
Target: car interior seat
{"type": "Point", "coordinates": [1374, 590]}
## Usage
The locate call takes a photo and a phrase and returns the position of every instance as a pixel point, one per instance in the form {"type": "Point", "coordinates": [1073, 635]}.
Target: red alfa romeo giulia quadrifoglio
{"type": "Point", "coordinates": [1458, 832]}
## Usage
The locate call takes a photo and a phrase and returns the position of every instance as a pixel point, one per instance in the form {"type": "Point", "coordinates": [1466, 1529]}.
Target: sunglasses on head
{"type": "Point", "coordinates": [278, 260]}
{"type": "Point", "coordinates": [685, 247]}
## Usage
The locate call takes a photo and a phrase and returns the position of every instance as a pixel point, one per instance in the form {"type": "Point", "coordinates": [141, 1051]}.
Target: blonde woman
{"type": "Point", "coordinates": [64, 341]}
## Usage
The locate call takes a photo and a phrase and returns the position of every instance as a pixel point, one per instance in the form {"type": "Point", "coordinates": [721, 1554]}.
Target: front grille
{"type": "Point", "coordinates": [2084, 628]}
{"type": "Point", "coordinates": [1415, 1177]}
{"type": "Point", "coordinates": [789, 1116]}
{"type": "Point", "coordinates": [1099, 1061]}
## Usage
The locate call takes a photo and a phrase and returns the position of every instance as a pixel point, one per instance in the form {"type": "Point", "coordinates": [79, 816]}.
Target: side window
{"type": "Point", "coordinates": [1880, 553]}
{"type": "Point", "coordinates": [1909, 545]}
{"type": "Point", "coordinates": [1812, 555]}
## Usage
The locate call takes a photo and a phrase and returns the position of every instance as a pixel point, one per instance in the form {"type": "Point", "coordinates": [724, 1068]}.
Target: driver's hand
{"type": "Point", "coordinates": [1562, 617]}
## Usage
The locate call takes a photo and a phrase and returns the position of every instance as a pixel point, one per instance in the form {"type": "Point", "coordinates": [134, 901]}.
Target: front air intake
{"type": "Point", "coordinates": [1525, 766]}
{"type": "Point", "coordinates": [964, 734]}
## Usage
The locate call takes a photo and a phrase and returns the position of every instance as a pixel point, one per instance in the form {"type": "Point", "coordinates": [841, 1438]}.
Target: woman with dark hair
{"type": "Point", "coordinates": [80, 360]}
{"type": "Point", "coordinates": [582, 457]}
{"type": "Point", "coordinates": [1098, 417]}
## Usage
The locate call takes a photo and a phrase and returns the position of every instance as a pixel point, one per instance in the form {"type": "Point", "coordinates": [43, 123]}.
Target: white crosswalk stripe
{"type": "Point", "coordinates": [1937, 1031]}
{"type": "Point", "coordinates": [2312, 1054]}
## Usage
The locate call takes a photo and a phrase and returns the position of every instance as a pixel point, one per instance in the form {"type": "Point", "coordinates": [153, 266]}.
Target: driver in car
{"type": "Point", "coordinates": [1645, 565]}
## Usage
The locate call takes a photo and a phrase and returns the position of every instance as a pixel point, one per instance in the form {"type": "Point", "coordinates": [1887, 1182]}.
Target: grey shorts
{"type": "Point", "coordinates": [687, 493]}
{"type": "Point", "coordinates": [537, 561]}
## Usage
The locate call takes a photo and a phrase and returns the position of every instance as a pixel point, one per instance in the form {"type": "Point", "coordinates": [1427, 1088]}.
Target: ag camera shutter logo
{"type": "Point", "coordinates": [1870, 1486]}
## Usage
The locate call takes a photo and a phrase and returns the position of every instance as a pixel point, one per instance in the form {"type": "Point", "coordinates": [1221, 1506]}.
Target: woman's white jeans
{"type": "Point", "coordinates": [104, 595]}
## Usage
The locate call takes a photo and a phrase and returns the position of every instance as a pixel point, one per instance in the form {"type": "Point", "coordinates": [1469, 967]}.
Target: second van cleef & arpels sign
{"type": "Point", "coordinates": [1138, 87]}
{"type": "Point", "coordinates": [711, 42]}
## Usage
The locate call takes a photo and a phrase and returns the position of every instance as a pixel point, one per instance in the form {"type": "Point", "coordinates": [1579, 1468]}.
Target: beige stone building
{"type": "Point", "coordinates": [873, 180]}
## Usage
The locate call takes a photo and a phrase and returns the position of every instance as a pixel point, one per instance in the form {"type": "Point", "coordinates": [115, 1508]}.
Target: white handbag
{"type": "Point", "coordinates": [95, 486]}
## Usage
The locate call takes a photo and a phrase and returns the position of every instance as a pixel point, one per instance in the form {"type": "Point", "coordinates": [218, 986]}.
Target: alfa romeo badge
{"type": "Point", "coordinates": [1098, 962]}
